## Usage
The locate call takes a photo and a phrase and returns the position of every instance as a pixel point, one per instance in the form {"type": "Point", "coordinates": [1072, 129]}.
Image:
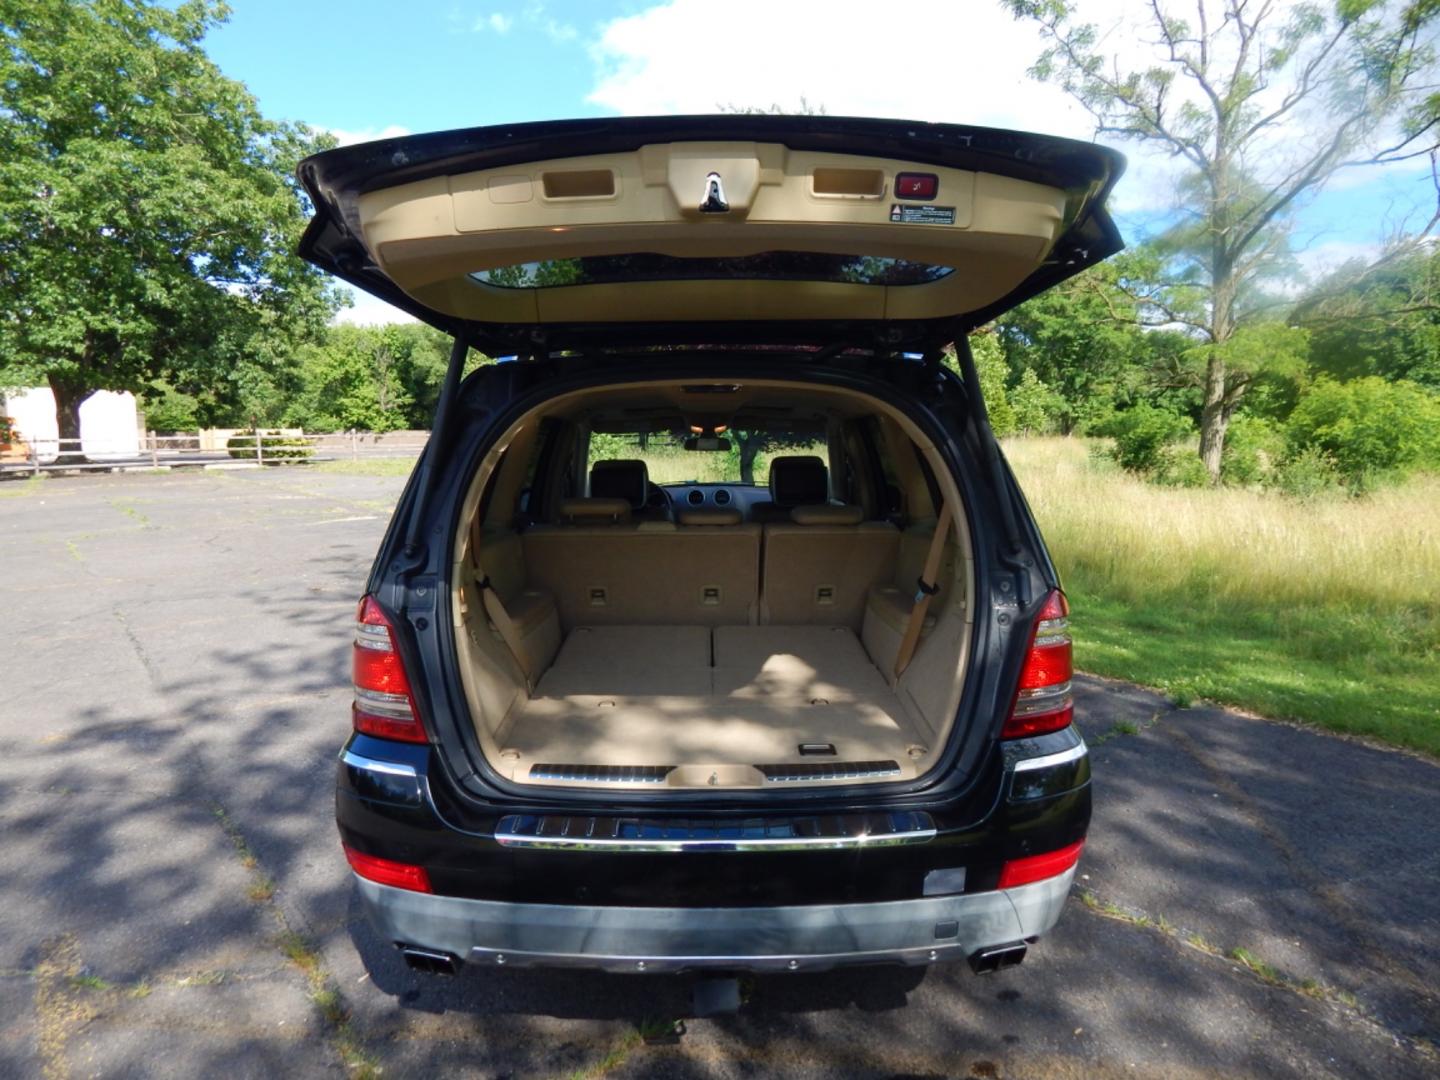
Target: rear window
{"type": "Point", "coordinates": [766, 266]}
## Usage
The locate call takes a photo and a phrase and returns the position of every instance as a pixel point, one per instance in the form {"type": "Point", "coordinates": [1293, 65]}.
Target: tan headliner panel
{"type": "Point", "coordinates": [429, 235]}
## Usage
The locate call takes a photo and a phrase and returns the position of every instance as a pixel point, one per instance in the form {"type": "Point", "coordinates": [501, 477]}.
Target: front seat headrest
{"type": "Point", "coordinates": [799, 481]}
{"type": "Point", "coordinates": [620, 478]}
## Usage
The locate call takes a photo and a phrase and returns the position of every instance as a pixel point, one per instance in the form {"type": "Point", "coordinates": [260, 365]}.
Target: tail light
{"type": "Point", "coordinates": [1039, 867]}
{"type": "Point", "coordinates": [383, 705]}
{"type": "Point", "coordinates": [1043, 702]}
{"type": "Point", "coordinates": [398, 875]}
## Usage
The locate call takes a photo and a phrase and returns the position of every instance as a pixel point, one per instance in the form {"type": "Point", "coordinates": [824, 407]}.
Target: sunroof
{"type": "Point", "coordinates": [766, 266]}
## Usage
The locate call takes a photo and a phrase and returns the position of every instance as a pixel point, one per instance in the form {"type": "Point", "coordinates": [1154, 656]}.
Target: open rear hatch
{"type": "Point", "coordinates": [599, 233]}
{"type": "Point", "coordinates": [596, 649]}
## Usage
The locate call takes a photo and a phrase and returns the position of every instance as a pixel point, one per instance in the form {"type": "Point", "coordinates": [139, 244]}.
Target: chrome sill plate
{"type": "Point", "coordinates": [559, 832]}
{"type": "Point", "coordinates": [800, 772]}
{"type": "Point", "coordinates": [603, 774]}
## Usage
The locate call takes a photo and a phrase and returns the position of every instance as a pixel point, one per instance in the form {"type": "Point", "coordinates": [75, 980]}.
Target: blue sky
{"type": "Point", "coordinates": [365, 68]}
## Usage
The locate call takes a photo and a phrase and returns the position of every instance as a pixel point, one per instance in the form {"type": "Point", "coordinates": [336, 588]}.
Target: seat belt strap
{"type": "Point", "coordinates": [495, 610]}
{"type": "Point", "coordinates": [925, 590]}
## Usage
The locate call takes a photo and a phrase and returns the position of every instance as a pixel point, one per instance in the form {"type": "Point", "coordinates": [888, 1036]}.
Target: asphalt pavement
{"type": "Point", "coordinates": [1255, 899]}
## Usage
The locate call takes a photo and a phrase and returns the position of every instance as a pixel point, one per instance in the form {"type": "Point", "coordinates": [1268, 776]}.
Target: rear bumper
{"type": "Point", "coordinates": [653, 940]}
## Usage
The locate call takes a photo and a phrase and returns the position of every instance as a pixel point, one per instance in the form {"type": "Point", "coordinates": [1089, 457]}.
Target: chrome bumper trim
{"type": "Point", "coordinates": [389, 768]}
{"type": "Point", "coordinates": [1050, 761]}
{"type": "Point", "coordinates": [769, 939]}
{"type": "Point", "coordinates": [748, 834]}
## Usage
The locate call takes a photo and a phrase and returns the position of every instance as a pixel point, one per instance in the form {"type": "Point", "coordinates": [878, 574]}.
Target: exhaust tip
{"type": "Point", "coordinates": [430, 961]}
{"type": "Point", "coordinates": [984, 961]}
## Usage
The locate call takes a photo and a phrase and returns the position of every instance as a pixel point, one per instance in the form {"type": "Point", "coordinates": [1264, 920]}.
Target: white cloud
{"type": "Point", "coordinates": [961, 63]}
{"type": "Point", "coordinates": [958, 62]}
{"type": "Point", "coordinates": [496, 21]}
{"type": "Point", "coordinates": [360, 135]}
{"type": "Point", "coordinates": [368, 311]}
{"type": "Point", "coordinates": [1317, 260]}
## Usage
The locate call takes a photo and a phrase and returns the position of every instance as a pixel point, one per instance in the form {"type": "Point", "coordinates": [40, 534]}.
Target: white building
{"type": "Point", "coordinates": [109, 423]}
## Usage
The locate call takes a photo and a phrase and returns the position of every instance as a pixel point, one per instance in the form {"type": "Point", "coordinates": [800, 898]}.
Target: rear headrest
{"type": "Point", "coordinates": [715, 516]}
{"type": "Point", "coordinates": [595, 511]}
{"type": "Point", "coordinates": [620, 478]}
{"type": "Point", "coordinates": [827, 515]}
{"type": "Point", "coordinates": [799, 481]}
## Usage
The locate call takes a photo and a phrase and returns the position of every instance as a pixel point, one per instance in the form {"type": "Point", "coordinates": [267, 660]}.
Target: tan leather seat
{"type": "Point", "coordinates": [821, 566]}
{"type": "Point", "coordinates": [800, 480]}
{"type": "Point", "coordinates": [652, 573]}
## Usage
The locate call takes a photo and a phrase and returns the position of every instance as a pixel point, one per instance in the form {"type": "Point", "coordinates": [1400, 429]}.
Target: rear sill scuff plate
{"type": "Point", "coordinates": [828, 770]}
{"type": "Point", "coordinates": [620, 834]}
{"type": "Point", "coordinates": [603, 774]}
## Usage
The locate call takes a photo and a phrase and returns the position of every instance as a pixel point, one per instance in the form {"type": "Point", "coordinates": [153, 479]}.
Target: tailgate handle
{"type": "Point", "coordinates": [714, 201]}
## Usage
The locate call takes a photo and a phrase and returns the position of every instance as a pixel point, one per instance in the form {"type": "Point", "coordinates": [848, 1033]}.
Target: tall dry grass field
{"type": "Point", "coordinates": [1327, 610]}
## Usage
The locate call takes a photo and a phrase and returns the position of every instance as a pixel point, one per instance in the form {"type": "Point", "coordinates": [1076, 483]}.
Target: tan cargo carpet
{"type": "Point", "coordinates": [650, 695]}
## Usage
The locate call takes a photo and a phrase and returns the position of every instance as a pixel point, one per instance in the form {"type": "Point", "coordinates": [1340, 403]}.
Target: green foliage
{"type": "Point", "coordinates": [1252, 447]}
{"type": "Point", "coordinates": [990, 366]}
{"type": "Point", "coordinates": [1037, 408]}
{"type": "Point", "coordinates": [1378, 321]}
{"type": "Point", "coordinates": [1307, 474]}
{"type": "Point", "coordinates": [1082, 340]}
{"type": "Point", "coordinates": [1180, 467]}
{"type": "Point", "coordinates": [273, 446]}
{"type": "Point", "coordinates": [371, 378]}
{"type": "Point", "coordinates": [1143, 434]}
{"type": "Point", "coordinates": [148, 211]}
{"type": "Point", "coordinates": [168, 410]}
{"type": "Point", "coordinates": [1370, 429]}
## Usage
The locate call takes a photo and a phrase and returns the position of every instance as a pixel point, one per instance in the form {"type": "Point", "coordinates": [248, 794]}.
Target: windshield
{"type": "Point", "coordinates": [747, 461]}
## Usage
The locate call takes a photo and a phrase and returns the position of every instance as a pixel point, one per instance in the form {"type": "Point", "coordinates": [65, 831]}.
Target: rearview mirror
{"type": "Point", "coordinates": [707, 442]}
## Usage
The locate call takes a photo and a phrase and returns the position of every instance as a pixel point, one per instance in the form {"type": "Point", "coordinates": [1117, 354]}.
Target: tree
{"type": "Point", "coordinates": [1262, 106]}
{"type": "Point", "coordinates": [148, 212]}
{"type": "Point", "coordinates": [1378, 320]}
{"type": "Point", "coordinates": [1083, 340]}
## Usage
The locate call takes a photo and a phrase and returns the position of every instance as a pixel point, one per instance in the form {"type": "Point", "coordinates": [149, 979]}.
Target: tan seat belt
{"type": "Point", "coordinates": [495, 609]}
{"type": "Point", "coordinates": [925, 589]}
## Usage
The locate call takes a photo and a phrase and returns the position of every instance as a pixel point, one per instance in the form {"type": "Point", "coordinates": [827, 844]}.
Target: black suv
{"type": "Point", "coordinates": [712, 630]}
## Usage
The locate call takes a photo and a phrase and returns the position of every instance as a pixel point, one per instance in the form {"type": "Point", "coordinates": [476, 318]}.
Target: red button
{"type": "Point", "coordinates": [916, 185]}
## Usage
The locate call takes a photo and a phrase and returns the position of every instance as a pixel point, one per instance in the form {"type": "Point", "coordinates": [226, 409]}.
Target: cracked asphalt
{"type": "Point", "coordinates": [1256, 898]}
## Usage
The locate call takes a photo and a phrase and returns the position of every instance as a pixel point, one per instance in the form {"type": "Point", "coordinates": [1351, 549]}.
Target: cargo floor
{"type": "Point", "coordinates": [689, 696]}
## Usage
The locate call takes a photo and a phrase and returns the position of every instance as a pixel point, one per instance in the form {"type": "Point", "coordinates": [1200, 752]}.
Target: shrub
{"type": "Point", "coordinates": [1307, 474]}
{"type": "Point", "coordinates": [1368, 428]}
{"type": "Point", "coordinates": [276, 446]}
{"type": "Point", "coordinates": [1142, 433]}
{"type": "Point", "coordinates": [1035, 405]}
{"type": "Point", "coordinates": [1252, 447]}
{"type": "Point", "coordinates": [1180, 466]}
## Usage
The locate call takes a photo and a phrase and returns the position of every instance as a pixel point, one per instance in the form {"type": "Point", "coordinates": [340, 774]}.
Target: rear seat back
{"type": "Point", "coordinates": [653, 573]}
{"type": "Point", "coordinates": [821, 566]}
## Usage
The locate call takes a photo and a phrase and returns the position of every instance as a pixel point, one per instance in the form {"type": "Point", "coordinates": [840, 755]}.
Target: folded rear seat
{"type": "Point", "coordinates": [821, 566]}
{"type": "Point", "coordinates": [604, 569]}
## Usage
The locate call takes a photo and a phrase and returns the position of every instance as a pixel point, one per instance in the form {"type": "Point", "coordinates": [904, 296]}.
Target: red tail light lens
{"type": "Point", "coordinates": [383, 705]}
{"type": "Point", "coordinates": [1039, 867]}
{"type": "Point", "coordinates": [399, 875]}
{"type": "Point", "coordinates": [1043, 701]}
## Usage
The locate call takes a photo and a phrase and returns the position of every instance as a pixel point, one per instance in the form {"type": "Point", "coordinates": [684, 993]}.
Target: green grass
{"type": "Point", "coordinates": [1324, 612]}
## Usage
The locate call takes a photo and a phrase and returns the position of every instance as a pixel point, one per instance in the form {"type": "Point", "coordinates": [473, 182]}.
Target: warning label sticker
{"type": "Point", "coordinates": [922, 215]}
